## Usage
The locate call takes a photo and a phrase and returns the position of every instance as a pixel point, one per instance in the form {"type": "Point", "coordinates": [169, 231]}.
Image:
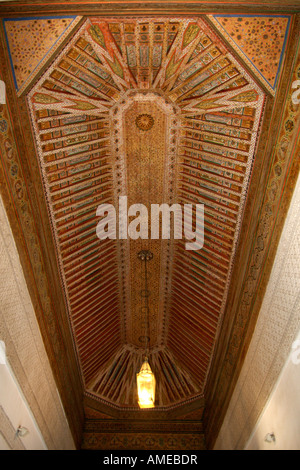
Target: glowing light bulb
{"type": "Point", "coordinates": [146, 386]}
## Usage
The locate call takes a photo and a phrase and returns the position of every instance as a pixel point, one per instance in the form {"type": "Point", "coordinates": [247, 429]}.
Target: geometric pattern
{"type": "Point", "coordinates": [31, 41]}
{"type": "Point", "coordinates": [159, 111]}
{"type": "Point", "coordinates": [259, 39]}
{"type": "Point", "coordinates": [128, 360]}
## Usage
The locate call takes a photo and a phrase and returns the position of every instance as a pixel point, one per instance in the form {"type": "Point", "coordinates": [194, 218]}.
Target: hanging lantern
{"type": "Point", "coordinates": [146, 386]}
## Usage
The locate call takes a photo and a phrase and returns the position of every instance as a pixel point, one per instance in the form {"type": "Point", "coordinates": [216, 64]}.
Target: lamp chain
{"type": "Point", "coordinates": [146, 255]}
{"type": "Point", "coordinates": [146, 309]}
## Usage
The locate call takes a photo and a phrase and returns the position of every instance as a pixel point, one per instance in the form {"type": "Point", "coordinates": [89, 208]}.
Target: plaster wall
{"type": "Point", "coordinates": [281, 414]}
{"type": "Point", "coordinates": [28, 393]}
{"type": "Point", "coordinates": [270, 377]}
{"type": "Point", "coordinates": [15, 413]}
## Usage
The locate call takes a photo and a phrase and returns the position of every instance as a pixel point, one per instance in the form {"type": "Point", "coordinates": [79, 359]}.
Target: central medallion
{"type": "Point", "coordinates": [144, 122]}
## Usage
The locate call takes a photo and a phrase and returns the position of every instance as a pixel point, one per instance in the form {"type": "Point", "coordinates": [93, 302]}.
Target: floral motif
{"type": "Point", "coordinates": [144, 122]}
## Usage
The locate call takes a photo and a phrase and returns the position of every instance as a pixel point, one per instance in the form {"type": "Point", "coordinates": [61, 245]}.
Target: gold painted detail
{"type": "Point", "coordinates": [144, 122]}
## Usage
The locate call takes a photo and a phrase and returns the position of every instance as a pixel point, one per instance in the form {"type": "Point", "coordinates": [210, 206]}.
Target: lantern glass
{"type": "Point", "coordinates": [146, 386]}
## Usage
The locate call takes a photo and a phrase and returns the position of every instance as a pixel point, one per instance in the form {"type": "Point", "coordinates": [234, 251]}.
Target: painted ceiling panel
{"type": "Point", "coordinates": [158, 111]}
{"type": "Point", "coordinates": [260, 39]}
{"type": "Point", "coordinates": [31, 41]}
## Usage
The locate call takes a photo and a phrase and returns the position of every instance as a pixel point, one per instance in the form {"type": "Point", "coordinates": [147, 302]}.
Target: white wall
{"type": "Point", "coordinates": [281, 415]}
{"type": "Point", "coordinates": [28, 392]}
{"type": "Point", "coordinates": [15, 410]}
{"type": "Point", "coordinates": [269, 379]}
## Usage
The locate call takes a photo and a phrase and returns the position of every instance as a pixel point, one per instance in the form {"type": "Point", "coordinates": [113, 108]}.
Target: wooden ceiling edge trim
{"type": "Point", "coordinates": [219, 387]}
{"type": "Point", "coordinates": [27, 214]}
{"type": "Point", "coordinates": [184, 403]}
{"type": "Point", "coordinates": [136, 8]}
{"type": "Point", "coordinates": [117, 412]}
{"type": "Point", "coordinates": [180, 426]}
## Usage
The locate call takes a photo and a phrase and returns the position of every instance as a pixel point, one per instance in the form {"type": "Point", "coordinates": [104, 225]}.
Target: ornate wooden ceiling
{"type": "Point", "coordinates": [205, 111]}
{"type": "Point", "coordinates": [161, 110]}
